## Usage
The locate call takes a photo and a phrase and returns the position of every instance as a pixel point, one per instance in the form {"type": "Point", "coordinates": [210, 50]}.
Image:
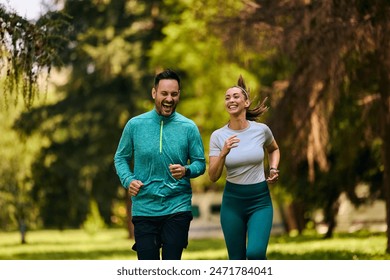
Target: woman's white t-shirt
{"type": "Point", "coordinates": [244, 163]}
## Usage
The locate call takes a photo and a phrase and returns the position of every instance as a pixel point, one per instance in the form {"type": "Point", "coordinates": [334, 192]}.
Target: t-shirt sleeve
{"type": "Point", "coordinates": [269, 137]}
{"type": "Point", "coordinates": [214, 149]}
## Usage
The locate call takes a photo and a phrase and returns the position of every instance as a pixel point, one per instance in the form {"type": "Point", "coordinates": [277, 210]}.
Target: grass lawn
{"type": "Point", "coordinates": [113, 244]}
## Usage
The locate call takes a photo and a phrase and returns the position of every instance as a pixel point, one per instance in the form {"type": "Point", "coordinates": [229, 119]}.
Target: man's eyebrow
{"type": "Point", "coordinates": [175, 91]}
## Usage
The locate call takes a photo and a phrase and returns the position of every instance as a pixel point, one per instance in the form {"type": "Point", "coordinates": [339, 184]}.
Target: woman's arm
{"type": "Point", "coordinates": [216, 163]}
{"type": "Point", "coordinates": [273, 159]}
{"type": "Point", "coordinates": [216, 167]}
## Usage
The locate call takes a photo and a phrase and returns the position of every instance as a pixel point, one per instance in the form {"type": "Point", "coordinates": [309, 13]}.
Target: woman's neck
{"type": "Point", "coordinates": [238, 123]}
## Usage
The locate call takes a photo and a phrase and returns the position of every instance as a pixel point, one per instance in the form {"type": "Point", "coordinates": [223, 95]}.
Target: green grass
{"type": "Point", "coordinates": [113, 244]}
{"type": "Point", "coordinates": [357, 246]}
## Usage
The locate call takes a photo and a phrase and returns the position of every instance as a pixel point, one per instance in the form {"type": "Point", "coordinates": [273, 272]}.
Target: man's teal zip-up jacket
{"type": "Point", "coordinates": [153, 142]}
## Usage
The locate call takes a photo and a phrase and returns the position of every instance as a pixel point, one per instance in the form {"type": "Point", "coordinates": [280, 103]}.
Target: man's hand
{"type": "Point", "coordinates": [178, 171]}
{"type": "Point", "coordinates": [134, 187]}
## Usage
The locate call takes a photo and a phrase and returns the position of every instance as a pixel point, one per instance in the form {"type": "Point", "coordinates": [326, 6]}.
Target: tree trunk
{"type": "Point", "coordinates": [331, 211]}
{"type": "Point", "coordinates": [385, 120]}
{"type": "Point", "coordinates": [299, 210]}
{"type": "Point", "coordinates": [385, 130]}
{"type": "Point", "coordinates": [294, 216]}
{"type": "Point", "coordinates": [384, 90]}
{"type": "Point", "coordinates": [386, 175]}
{"type": "Point", "coordinates": [283, 215]}
{"type": "Point", "coordinates": [291, 223]}
{"type": "Point", "coordinates": [22, 230]}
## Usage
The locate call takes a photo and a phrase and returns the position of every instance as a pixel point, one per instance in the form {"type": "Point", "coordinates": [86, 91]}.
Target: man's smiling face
{"type": "Point", "coordinates": [166, 97]}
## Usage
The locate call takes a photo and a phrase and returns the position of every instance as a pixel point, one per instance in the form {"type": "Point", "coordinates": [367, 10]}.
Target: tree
{"type": "Point", "coordinates": [28, 50]}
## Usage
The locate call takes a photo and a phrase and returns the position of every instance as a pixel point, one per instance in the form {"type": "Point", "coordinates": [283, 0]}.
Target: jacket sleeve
{"type": "Point", "coordinates": [123, 156]}
{"type": "Point", "coordinates": [196, 154]}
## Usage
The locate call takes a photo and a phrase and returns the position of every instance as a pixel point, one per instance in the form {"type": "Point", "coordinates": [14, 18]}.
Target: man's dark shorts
{"type": "Point", "coordinates": [169, 232]}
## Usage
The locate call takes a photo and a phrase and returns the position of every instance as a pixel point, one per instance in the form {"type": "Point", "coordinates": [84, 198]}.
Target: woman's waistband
{"type": "Point", "coordinates": [246, 190]}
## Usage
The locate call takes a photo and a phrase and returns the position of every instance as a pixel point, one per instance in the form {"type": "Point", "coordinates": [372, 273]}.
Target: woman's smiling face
{"type": "Point", "coordinates": [235, 101]}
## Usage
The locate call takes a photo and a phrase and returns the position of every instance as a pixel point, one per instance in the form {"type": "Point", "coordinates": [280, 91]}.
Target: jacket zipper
{"type": "Point", "coordinates": [161, 131]}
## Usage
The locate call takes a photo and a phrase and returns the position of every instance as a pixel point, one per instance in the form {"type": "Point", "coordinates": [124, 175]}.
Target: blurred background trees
{"type": "Point", "coordinates": [324, 65]}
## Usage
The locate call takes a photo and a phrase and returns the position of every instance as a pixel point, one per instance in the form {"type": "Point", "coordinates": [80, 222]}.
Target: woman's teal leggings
{"type": "Point", "coordinates": [246, 210]}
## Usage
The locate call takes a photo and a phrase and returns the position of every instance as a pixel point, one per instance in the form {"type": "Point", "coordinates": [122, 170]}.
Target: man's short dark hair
{"type": "Point", "coordinates": [166, 75]}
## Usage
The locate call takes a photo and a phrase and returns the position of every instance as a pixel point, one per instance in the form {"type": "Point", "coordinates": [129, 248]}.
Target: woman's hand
{"type": "Point", "coordinates": [273, 176]}
{"type": "Point", "coordinates": [230, 143]}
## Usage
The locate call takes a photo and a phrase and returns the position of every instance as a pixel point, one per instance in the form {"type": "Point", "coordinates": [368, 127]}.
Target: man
{"type": "Point", "coordinates": [167, 150]}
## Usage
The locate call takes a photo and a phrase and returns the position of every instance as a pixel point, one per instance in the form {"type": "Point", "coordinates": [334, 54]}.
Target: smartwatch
{"type": "Point", "coordinates": [188, 171]}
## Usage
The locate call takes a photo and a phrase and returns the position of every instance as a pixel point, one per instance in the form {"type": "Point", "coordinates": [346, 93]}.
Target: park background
{"type": "Point", "coordinates": [71, 78]}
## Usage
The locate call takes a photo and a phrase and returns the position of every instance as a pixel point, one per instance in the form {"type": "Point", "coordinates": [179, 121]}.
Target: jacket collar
{"type": "Point", "coordinates": [160, 118]}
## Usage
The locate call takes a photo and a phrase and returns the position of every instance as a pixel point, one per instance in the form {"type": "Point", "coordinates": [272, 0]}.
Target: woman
{"type": "Point", "coordinates": [246, 211]}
